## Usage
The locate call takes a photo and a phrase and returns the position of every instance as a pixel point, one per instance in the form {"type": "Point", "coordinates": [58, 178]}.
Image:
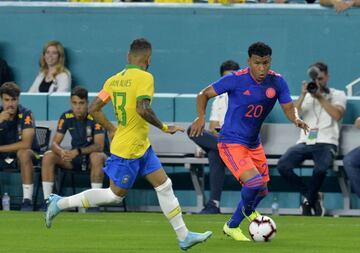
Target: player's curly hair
{"type": "Point", "coordinates": [259, 48]}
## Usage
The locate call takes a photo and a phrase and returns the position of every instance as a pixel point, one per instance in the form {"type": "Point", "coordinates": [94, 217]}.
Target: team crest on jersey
{"type": "Point", "coordinates": [27, 120]}
{"type": "Point", "coordinates": [270, 92]}
{"type": "Point", "coordinates": [125, 179]}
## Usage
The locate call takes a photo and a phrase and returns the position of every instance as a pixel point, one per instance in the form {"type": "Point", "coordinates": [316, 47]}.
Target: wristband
{"type": "Point", "coordinates": [79, 151]}
{"type": "Point", "coordinates": [165, 128]}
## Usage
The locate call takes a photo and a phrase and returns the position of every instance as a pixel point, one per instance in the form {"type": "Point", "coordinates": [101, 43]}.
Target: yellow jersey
{"type": "Point", "coordinates": [124, 89]}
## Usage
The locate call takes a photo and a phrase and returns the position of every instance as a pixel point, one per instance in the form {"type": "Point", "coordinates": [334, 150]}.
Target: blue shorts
{"type": "Point", "coordinates": [124, 171]}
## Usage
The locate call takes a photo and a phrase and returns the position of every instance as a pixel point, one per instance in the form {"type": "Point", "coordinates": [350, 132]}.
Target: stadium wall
{"type": "Point", "coordinates": [170, 107]}
{"type": "Point", "coordinates": [189, 41]}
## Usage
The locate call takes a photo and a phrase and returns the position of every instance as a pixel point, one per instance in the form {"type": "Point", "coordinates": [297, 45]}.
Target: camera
{"type": "Point", "coordinates": [312, 87]}
{"type": "Point", "coordinates": [313, 73]}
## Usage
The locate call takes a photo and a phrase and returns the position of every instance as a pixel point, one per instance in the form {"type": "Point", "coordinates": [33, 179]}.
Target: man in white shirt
{"type": "Point", "coordinates": [208, 142]}
{"type": "Point", "coordinates": [322, 108]}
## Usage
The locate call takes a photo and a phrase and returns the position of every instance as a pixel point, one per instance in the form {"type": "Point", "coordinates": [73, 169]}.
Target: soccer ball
{"type": "Point", "coordinates": [262, 229]}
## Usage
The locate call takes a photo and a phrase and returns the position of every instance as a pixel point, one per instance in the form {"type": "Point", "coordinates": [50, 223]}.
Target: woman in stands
{"type": "Point", "coordinates": [53, 75]}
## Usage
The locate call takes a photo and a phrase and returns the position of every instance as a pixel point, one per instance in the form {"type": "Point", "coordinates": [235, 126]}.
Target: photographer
{"type": "Point", "coordinates": [322, 108]}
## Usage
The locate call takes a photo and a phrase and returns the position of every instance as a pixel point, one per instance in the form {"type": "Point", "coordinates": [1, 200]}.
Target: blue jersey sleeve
{"type": "Point", "coordinates": [27, 120]}
{"type": "Point", "coordinates": [225, 84]}
{"type": "Point", "coordinates": [284, 92]}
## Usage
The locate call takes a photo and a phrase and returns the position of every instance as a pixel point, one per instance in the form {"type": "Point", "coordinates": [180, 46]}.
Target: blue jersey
{"type": "Point", "coordinates": [82, 131]}
{"type": "Point", "coordinates": [11, 130]}
{"type": "Point", "coordinates": [249, 104]}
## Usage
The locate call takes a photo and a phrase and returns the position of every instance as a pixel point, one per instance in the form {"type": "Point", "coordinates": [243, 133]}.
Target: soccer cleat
{"type": "Point", "coordinates": [26, 206]}
{"type": "Point", "coordinates": [194, 238]}
{"type": "Point", "coordinates": [306, 208]}
{"type": "Point", "coordinates": [43, 206]}
{"type": "Point", "coordinates": [235, 233]}
{"type": "Point", "coordinates": [52, 209]}
{"type": "Point", "coordinates": [210, 208]}
{"type": "Point", "coordinates": [318, 206]}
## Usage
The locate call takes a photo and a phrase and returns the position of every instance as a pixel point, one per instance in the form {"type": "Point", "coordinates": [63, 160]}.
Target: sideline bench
{"type": "Point", "coordinates": [179, 150]}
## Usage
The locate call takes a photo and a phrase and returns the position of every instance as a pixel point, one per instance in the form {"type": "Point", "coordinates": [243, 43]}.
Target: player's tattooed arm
{"type": "Point", "coordinates": [143, 108]}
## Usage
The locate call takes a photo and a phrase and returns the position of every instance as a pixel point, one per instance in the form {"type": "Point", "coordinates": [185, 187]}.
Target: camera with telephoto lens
{"type": "Point", "coordinates": [312, 87]}
{"type": "Point", "coordinates": [313, 73]}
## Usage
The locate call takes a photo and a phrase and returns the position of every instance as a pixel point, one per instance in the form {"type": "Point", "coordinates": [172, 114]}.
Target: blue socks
{"type": "Point", "coordinates": [263, 191]}
{"type": "Point", "coordinates": [250, 198]}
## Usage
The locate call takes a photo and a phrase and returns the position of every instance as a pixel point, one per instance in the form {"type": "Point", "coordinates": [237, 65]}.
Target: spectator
{"type": "Point", "coordinates": [208, 142]}
{"type": "Point", "coordinates": [87, 141]}
{"type": "Point", "coordinates": [17, 139]}
{"type": "Point", "coordinates": [5, 75]}
{"type": "Point", "coordinates": [352, 165]}
{"type": "Point", "coordinates": [340, 5]}
{"type": "Point", "coordinates": [53, 75]}
{"type": "Point", "coordinates": [323, 109]}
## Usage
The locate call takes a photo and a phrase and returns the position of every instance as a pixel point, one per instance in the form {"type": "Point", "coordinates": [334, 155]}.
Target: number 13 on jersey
{"type": "Point", "coordinates": [119, 107]}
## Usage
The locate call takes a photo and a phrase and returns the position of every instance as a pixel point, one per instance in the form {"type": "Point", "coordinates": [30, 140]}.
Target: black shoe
{"type": "Point", "coordinates": [43, 207]}
{"type": "Point", "coordinates": [306, 208]}
{"type": "Point", "coordinates": [318, 207]}
{"type": "Point", "coordinates": [210, 208]}
{"type": "Point", "coordinates": [26, 205]}
{"type": "Point", "coordinates": [93, 210]}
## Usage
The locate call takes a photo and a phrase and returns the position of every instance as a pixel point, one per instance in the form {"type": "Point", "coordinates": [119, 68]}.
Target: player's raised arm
{"type": "Point", "coordinates": [292, 114]}
{"type": "Point", "coordinates": [143, 108]}
{"type": "Point", "coordinates": [99, 116]}
{"type": "Point", "coordinates": [201, 102]}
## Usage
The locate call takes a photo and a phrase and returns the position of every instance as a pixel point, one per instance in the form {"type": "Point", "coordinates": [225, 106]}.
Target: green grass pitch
{"type": "Point", "coordinates": [151, 233]}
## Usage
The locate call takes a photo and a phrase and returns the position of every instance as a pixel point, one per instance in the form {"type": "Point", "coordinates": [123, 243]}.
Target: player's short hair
{"type": "Point", "coordinates": [321, 66]}
{"type": "Point", "coordinates": [228, 65]}
{"type": "Point", "coordinates": [140, 46]}
{"type": "Point", "coordinates": [80, 92]}
{"type": "Point", "coordinates": [259, 48]}
{"type": "Point", "coordinates": [11, 89]}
